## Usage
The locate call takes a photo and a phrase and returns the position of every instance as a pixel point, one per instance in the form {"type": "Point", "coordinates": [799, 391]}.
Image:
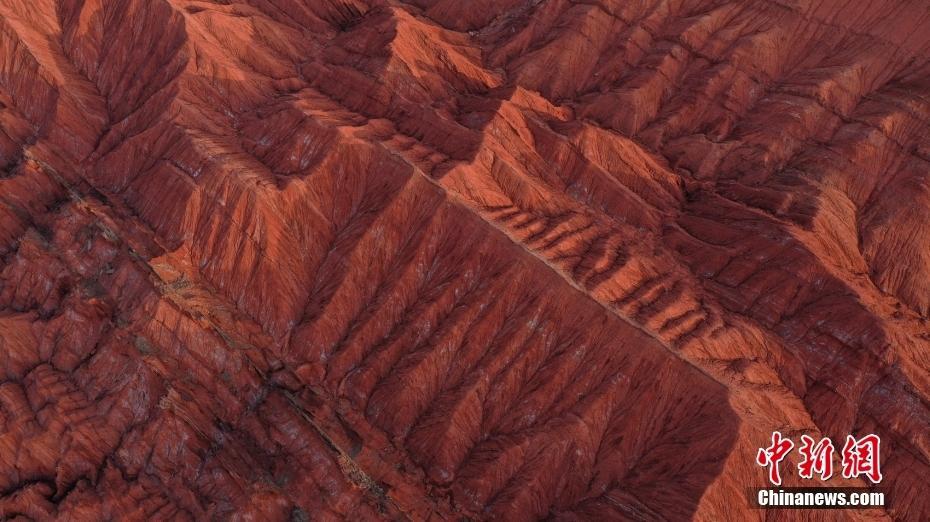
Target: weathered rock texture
{"type": "Point", "coordinates": [438, 259]}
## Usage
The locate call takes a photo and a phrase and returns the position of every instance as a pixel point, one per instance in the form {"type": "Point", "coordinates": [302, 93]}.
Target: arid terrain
{"type": "Point", "coordinates": [314, 260]}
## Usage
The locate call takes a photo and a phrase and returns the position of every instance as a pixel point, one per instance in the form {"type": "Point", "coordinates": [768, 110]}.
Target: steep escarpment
{"type": "Point", "coordinates": [322, 260]}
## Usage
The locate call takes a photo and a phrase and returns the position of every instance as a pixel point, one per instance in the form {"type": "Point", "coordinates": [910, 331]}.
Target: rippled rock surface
{"type": "Point", "coordinates": [446, 260]}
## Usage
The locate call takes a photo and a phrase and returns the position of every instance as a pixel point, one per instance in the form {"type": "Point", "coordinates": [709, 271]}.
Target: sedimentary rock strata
{"type": "Point", "coordinates": [443, 260]}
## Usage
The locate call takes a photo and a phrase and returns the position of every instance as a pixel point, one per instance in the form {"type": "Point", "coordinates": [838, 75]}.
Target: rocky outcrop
{"type": "Point", "coordinates": [323, 260]}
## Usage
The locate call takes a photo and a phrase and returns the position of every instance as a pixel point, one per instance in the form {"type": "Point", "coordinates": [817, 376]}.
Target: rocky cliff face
{"type": "Point", "coordinates": [436, 260]}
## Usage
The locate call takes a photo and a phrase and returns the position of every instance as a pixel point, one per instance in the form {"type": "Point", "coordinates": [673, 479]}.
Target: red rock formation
{"type": "Point", "coordinates": [438, 260]}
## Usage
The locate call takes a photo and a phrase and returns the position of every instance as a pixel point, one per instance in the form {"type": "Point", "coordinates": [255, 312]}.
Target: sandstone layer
{"type": "Point", "coordinates": [448, 260]}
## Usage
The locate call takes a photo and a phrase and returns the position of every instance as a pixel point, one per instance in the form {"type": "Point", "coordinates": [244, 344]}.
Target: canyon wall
{"type": "Point", "coordinates": [446, 260]}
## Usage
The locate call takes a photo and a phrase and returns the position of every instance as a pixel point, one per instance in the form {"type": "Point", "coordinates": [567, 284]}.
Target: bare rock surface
{"type": "Point", "coordinates": [444, 260]}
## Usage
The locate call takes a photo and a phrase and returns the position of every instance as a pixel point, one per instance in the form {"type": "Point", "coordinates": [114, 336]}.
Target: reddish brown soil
{"type": "Point", "coordinates": [448, 259]}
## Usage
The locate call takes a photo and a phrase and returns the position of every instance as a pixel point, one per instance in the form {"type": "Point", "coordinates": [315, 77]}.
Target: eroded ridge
{"type": "Point", "coordinates": [433, 260]}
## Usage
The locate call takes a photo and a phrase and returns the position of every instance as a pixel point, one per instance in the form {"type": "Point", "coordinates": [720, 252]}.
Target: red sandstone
{"type": "Point", "coordinates": [443, 260]}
